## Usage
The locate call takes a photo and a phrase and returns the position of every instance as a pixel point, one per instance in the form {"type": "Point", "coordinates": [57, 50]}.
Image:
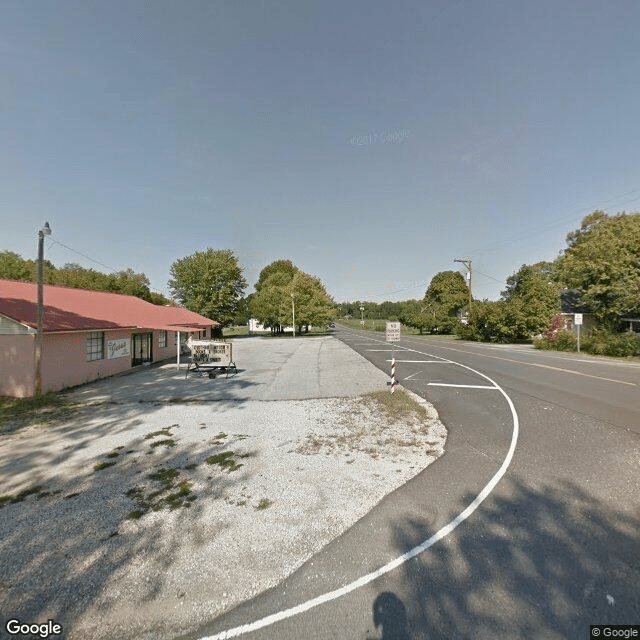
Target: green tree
{"type": "Point", "coordinates": [210, 283]}
{"type": "Point", "coordinates": [313, 305]}
{"type": "Point", "coordinates": [532, 300]}
{"type": "Point", "coordinates": [446, 295]}
{"type": "Point", "coordinates": [14, 267]}
{"type": "Point", "coordinates": [272, 303]}
{"type": "Point", "coordinates": [603, 263]}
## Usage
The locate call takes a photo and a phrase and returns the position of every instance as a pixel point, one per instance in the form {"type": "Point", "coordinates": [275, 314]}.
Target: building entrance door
{"type": "Point", "coordinates": [142, 348]}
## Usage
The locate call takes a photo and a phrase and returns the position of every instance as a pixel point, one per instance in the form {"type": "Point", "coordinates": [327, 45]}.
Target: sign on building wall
{"type": "Point", "coordinates": [118, 348]}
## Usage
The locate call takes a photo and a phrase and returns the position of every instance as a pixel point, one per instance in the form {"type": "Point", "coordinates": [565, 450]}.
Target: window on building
{"type": "Point", "coordinates": [95, 345]}
{"type": "Point", "coordinates": [162, 338]}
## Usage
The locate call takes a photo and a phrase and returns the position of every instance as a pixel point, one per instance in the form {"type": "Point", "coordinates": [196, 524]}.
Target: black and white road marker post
{"type": "Point", "coordinates": [393, 336]}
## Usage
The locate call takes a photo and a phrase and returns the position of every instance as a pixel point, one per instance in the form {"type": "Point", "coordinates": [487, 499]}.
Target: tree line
{"type": "Point", "coordinates": [14, 267]}
{"type": "Point", "coordinates": [209, 282]}
{"type": "Point", "coordinates": [600, 266]}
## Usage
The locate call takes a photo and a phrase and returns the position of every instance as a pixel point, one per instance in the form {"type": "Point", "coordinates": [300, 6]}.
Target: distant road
{"type": "Point", "coordinates": [554, 547]}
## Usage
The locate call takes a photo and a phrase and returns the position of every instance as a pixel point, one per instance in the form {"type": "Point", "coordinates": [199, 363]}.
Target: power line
{"type": "Point", "coordinates": [559, 223]}
{"type": "Point", "coordinates": [51, 240]}
{"type": "Point", "coordinates": [486, 275]}
{"type": "Point", "coordinates": [83, 255]}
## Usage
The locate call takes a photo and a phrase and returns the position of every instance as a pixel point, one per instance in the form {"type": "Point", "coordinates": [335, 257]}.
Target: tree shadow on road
{"type": "Point", "coordinates": [540, 562]}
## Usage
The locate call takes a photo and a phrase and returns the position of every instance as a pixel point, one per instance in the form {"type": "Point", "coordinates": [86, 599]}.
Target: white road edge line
{"type": "Point", "coordinates": [370, 577]}
{"type": "Point", "coordinates": [413, 374]}
{"type": "Point", "coordinates": [462, 386]}
{"type": "Point", "coordinates": [407, 361]}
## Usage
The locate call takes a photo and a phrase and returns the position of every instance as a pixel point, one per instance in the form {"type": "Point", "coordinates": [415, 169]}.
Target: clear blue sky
{"type": "Point", "coordinates": [369, 142]}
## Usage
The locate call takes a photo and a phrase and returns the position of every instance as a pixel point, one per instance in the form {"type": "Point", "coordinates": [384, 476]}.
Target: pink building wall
{"type": "Point", "coordinates": [64, 357]}
{"type": "Point", "coordinates": [64, 360]}
{"type": "Point", "coordinates": [17, 365]}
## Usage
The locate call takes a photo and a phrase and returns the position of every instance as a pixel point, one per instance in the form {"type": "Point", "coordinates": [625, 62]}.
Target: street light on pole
{"type": "Point", "coordinates": [293, 309]}
{"type": "Point", "coordinates": [45, 231]}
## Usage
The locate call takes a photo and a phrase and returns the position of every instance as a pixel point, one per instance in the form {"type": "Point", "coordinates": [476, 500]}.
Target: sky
{"type": "Point", "coordinates": [371, 143]}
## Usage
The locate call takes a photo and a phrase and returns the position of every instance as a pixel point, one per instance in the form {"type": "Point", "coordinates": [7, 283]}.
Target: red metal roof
{"type": "Point", "coordinates": [67, 309]}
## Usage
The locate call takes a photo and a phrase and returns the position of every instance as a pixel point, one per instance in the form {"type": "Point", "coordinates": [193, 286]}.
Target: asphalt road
{"type": "Point", "coordinates": [536, 503]}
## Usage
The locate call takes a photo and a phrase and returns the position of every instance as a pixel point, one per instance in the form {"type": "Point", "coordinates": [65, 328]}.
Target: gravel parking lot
{"type": "Point", "coordinates": [153, 503]}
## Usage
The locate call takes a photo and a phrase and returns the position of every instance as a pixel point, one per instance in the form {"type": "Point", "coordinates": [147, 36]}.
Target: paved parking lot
{"type": "Point", "coordinates": [268, 369]}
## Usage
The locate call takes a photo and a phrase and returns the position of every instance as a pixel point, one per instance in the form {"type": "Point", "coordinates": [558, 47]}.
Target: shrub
{"type": "Point", "coordinates": [543, 342]}
{"type": "Point", "coordinates": [565, 340]}
{"type": "Point", "coordinates": [595, 343]}
{"type": "Point", "coordinates": [622, 344]}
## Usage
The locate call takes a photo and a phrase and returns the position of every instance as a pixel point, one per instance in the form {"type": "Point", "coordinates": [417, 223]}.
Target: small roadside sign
{"type": "Point", "coordinates": [578, 318]}
{"type": "Point", "coordinates": [393, 332]}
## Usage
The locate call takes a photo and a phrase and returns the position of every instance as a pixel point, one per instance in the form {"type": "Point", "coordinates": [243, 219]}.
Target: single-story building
{"type": "Point", "coordinates": [86, 335]}
{"type": "Point", "coordinates": [570, 305]}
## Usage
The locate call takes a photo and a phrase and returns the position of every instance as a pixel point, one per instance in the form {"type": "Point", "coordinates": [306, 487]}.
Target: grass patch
{"type": "Point", "coordinates": [46, 409]}
{"type": "Point", "coordinates": [113, 454]}
{"type": "Point", "coordinates": [167, 443]}
{"type": "Point", "coordinates": [102, 465]}
{"type": "Point", "coordinates": [226, 460]}
{"type": "Point", "coordinates": [242, 330]}
{"type": "Point", "coordinates": [165, 476]}
{"type": "Point", "coordinates": [263, 504]}
{"type": "Point", "coordinates": [8, 499]}
{"type": "Point", "coordinates": [165, 497]}
{"type": "Point", "coordinates": [398, 405]}
{"type": "Point", "coordinates": [155, 434]}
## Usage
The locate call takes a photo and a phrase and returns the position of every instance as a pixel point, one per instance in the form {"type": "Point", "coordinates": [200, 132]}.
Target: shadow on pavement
{"type": "Point", "coordinates": [529, 563]}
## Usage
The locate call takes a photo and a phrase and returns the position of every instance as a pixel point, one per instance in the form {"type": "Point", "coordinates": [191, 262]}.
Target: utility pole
{"type": "Point", "coordinates": [293, 309]}
{"type": "Point", "coordinates": [45, 231]}
{"type": "Point", "coordinates": [467, 263]}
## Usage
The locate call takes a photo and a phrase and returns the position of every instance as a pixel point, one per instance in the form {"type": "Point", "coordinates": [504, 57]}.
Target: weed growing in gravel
{"type": "Point", "coordinates": [170, 442]}
{"type": "Point", "coordinates": [113, 454]}
{"type": "Point", "coordinates": [102, 465]}
{"type": "Point", "coordinates": [217, 440]}
{"type": "Point", "coordinates": [398, 405]}
{"type": "Point", "coordinates": [263, 504]}
{"type": "Point", "coordinates": [155, 434]}
{"type": "Point", "coordinates": [164, 497]}
{"type": "Point", "coordinates": [8, 499]}
{"type": "Point", "coordinates": [227, 460]}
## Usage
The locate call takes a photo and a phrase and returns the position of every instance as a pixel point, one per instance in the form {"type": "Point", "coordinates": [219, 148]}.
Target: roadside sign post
{"type": "Point", "coordinates": [392, 335]}
{"type": "Point", "coordinates": [578, 322]}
